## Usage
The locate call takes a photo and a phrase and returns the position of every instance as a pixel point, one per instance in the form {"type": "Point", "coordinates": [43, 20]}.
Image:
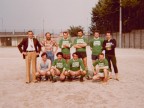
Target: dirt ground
{"type": "Point", "coordinates": [126, 93]}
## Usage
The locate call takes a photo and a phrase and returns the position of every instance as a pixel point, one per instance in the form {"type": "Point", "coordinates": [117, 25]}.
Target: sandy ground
{"type": "Point", "coordinates": [126, 93]}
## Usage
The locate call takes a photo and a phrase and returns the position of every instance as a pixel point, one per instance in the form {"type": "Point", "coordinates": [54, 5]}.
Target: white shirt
{"type": "Point", "coordinates": [30, 45]}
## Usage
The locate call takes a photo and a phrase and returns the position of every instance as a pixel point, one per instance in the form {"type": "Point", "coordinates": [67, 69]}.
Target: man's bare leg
{"type": "Point", "coordinates": [83, 73]}
{"type": "Point", "coordinates": [105, 75]}
{"type": "Point", "coordinates": [53, 72]}
{"type": "Point", "coordinates": [38, 76]}
{"type": "Point", "coordinates": [110, 75]}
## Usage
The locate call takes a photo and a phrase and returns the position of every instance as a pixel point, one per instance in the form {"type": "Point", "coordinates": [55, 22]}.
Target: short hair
{"type": "Point", "coordinates": [47, 33]}
{"type": "Point", "coordinates": [75, 54]}
{"type": "Point", "coordinates": [101, 54]}
{"type": "Point", "coordinates": [80, 30]}
{"type": "Point", "coordinates": [65, 32]}
{"type": "Point", "coordinates": [59, 53]}
{"type": "Point", "coordinates": [108, 32]}
{"type": "Point", "coordinates": [30, 31]}
{"type": "Point", "coordinates": [43, 54]}
{"type": "Point", "coordinates": [96, 31]}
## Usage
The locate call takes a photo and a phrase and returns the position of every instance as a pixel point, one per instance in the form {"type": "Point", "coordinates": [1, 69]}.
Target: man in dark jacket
{"type": "Point", "coordinates": [30, 48]}
{"type": "Point", "coordinates": [109, 46]}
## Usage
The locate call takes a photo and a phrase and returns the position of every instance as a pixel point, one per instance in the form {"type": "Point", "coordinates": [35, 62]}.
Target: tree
{"type": "Point", "coordinates": [74, 30]}
{"type": "Point", "coordinates": [105, 15]}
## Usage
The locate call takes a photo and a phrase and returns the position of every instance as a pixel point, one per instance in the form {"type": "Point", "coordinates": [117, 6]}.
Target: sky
{"type": "Point", "coordinates": [52, 15]}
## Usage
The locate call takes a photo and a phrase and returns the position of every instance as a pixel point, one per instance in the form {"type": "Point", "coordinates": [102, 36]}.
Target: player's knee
{"type": "Point", "coordinates": [62, 78]}
{"type": "Point", "coordinates": [66, 73]}
{"type": "Point", "coordinates": [48, 73]}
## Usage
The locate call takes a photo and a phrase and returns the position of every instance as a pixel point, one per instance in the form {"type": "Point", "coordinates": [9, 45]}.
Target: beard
{"type": "Point", "coordinates": [48, 38]}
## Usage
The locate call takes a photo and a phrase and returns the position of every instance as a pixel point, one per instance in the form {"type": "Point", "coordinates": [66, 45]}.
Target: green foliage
{"type": "Point", "coordinates": [105, 15]}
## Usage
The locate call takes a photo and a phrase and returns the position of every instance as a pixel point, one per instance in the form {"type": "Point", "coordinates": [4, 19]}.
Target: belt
{"type": "Point", "coordinates": [30, 51]}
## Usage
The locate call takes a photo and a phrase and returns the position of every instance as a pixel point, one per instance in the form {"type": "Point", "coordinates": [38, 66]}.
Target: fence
{"type": "Point", "coordinates": [134, 39]}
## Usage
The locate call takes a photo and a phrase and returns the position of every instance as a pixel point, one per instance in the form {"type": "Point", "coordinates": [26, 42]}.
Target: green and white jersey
{"type": "Point", "coordinates": [67, 42]}
{"type": "Point", "coordinates": [102, 64]}
{"type": "Point", "coordinates": [59, 64]}
{"type": "Point", "coordinates": [96, 45]}
{"type": "Point", "coordinates": [80, 40]}
{"type": "Point", "coordinates": [75, 65]}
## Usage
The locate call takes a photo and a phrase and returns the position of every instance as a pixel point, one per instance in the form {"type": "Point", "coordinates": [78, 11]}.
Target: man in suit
{"type": "Point", "coordinates": [30, 48]}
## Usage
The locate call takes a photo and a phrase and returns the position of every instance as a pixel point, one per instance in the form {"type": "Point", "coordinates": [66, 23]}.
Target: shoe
{"type": "Point", "coordinates": [47, 77]}
{"type": "Point", "coordinates": [35, 81]}
{"type": "Point", "coordinates": [69, 78]}
{"type": "Point", "coordinates": [38, 78]}
{"type": "Point", "coordinates": [117, 79]}
{"type": "Point", "coordinates": [62, 80]}
{"type": "Point", "coordinates": [81, 79]}
{"type": "Point", "coordinates": [88, 78]}
{"type": "Point", "coordinates": [27, 82]}
{"type": "Point", "coordinates": [54, 80]}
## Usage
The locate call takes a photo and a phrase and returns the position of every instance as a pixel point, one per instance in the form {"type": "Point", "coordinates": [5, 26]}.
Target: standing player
{"type": "Point", "coordinates": [96, 46]}
{"type": "Point", "coordinates": [59, 68]}
{"type": "Point", "coordinates": [76, 67]}
{"type": "Point", "coordinates": [109, 46]}
{"type": "Point", "coordinates": [65, 44]}
{"type": "Point", "coordinates": [49, 45]}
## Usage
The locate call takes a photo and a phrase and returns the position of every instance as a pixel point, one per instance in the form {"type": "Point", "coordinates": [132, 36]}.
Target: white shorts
{"type": "Point", "coordinates": [101, 74]}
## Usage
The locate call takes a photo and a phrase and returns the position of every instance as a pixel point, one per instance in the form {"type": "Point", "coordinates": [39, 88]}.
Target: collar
{"type": "Point", "coordinates": [65, 39]}
{"type": "Point", "coordinates": [101, 60]}
{"type": "Point", "coordinates": [109, 39]}
{"type": "Point", "coordinates": [75, 60]}
{"type": "Point", "coordinates": [30, 38]}
{"type": "Point", "coordinates": [59, 60]}
{"type": "Point", "coordinates": [96, 38]}
{"type": "Point", "coordinates": [81, 37]}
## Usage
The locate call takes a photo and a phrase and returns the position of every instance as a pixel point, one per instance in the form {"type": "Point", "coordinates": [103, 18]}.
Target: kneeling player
{"type": "Point", "coordinates": [101, 69]}
{"type": "Point", "coordinates": [59, 68]}
{"type": "Point", "coordinates": [43, 68]}
{"type": "Point", "coordinates": [76, 67]}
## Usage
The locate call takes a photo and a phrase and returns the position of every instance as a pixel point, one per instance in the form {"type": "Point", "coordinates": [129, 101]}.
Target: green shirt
{"type": "Point", "coordinates": [80, 40]}
{"type": "Point", "coordinates": [96, 45]}
{"type": "Point", "coordinates": [65, 42]}
{"type": "Point", "coordinates": [60, 65]}
{"type": "Point", "coordinates": [102, 63]}
{"type": "Point", "coordinates": [75, 65]}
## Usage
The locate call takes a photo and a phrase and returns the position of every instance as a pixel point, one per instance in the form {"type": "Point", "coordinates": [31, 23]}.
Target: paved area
{"type": "Point", "coordinates": [126, 93]}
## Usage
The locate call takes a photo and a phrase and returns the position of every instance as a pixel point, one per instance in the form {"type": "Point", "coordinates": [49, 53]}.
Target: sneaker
{"type": "Point", "coordinates": [54, 80]}
{"type": "Point", "coordinates": [69, 78]}
{"type": "Point", "coordinates": [81, 79]}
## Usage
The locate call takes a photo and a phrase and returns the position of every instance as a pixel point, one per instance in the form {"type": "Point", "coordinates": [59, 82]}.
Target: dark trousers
{"type": "Point", "coordinates": [112, 58]}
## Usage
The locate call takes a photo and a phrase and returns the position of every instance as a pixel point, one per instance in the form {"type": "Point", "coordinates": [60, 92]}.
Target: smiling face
{"type": "Point", "coordinates": [59, 57]}
{"type": "Point", "coordinates": [96, 34]}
